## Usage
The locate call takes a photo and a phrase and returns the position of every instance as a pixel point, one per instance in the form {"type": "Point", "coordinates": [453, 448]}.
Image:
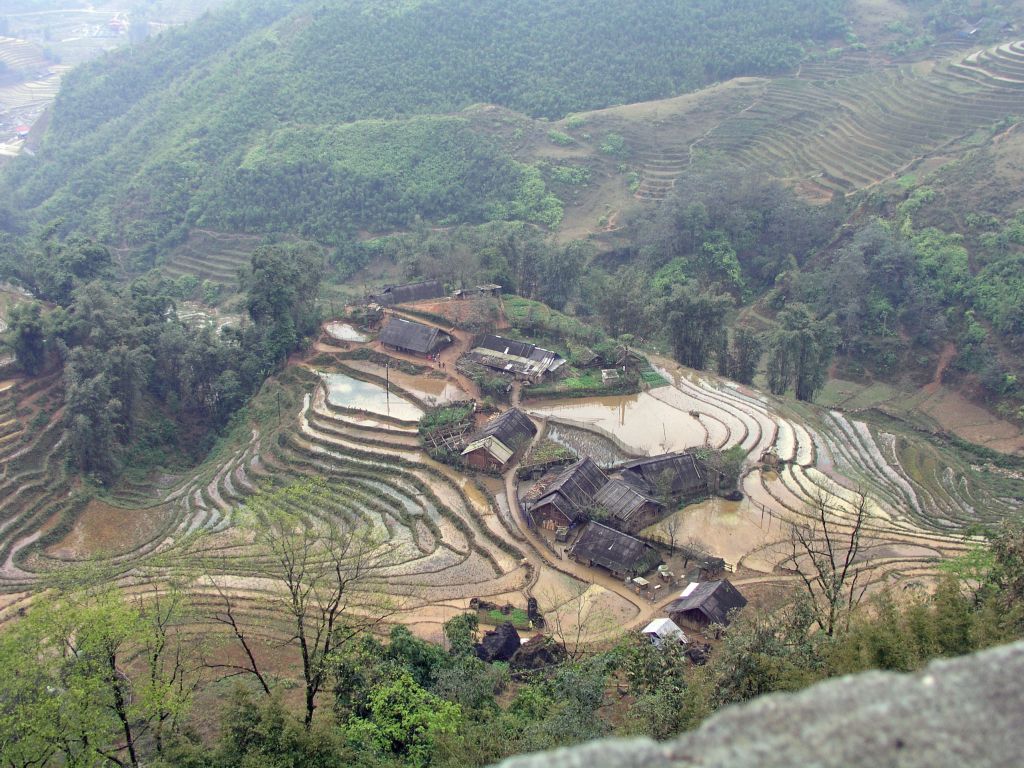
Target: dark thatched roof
{"type": "Point", "coordinates": [616, 551]}
{"type": "Point", "coordinates": [512, 428]}
{"type": "Point", "coordinates": [416, 337]}
{"type": "Point", "coordinates": [573, 491]}
{"type": "Point", "coordinates": [711, 599]}
{"type": "Point", "coordinates": [674, 473]}
{"type": "Point", "coordinates": [401, 294]}
{"type": "Point", "coordinates": [623, 500]}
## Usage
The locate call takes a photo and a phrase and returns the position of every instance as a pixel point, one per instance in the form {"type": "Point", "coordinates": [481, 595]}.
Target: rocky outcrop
{"type": "Point", "coordinates": [500, 644]}
{"type": "Point", "coordinates": [957, 713]}
{"type": "Point", "coordinates": [537, 653]}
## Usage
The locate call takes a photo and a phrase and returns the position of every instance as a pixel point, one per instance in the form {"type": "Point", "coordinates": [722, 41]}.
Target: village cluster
{"type": "Point", "coordinates": [593, 515]}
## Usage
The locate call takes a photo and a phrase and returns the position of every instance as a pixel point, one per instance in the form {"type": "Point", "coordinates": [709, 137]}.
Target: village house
{"type": "Point", "coordinates": [620, 553]}
{"type": "Point", "coordinates": [702, 604]}
{"type": "Point", "coordinates": [568, 498]}
{"type": "Point", "coordinates": [523, 360]}
{"type": "Point", "coordinates": [413, 338]}
{"type": "Point", "coordinates": [493, 447]}
{"type": "Point", "coordinates": [403, 294]}
{"type": "Point", "coordinates": [628, 507]}
{"type": "Point", "coordinates": [670, 476]}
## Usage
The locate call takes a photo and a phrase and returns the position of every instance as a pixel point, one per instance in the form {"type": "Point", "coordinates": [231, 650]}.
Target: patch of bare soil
{"type": "Point", "coordinates": [956, 414]}
{"type": "Point", "coordinates": [103, 529]}
{"type": "Point", "coordinates": [466, 313]}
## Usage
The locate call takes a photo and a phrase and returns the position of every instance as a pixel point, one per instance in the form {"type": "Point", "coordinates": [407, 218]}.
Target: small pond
{"type": "Point", "coordinates": [344, 332]}
{"type": "Point", "coordinates": [346, 392]}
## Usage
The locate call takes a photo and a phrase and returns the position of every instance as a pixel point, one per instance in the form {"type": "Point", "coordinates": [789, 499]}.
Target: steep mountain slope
{"type": "Point", "coordinates": [139, 138]}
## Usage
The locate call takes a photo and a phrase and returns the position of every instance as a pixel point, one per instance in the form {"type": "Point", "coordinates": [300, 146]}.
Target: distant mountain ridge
{"type": "Point", "coordinates": [143, 142]}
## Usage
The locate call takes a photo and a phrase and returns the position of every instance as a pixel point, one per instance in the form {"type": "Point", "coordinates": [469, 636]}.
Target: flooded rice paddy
{"type": "Point", "coordinates": [432, 391]}
{"type": "Point", "coordinates": [345, 392]}
{"type": "Point", "coordinates": [732, 530]}
{"type": "Point", "coordinates": [583, 442]}
{"type": "Point", "coordinates": [640, 424]}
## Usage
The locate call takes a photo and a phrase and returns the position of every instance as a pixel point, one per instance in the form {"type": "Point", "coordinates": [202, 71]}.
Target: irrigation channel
{"type": "Point", "coordinates": [448, 537]}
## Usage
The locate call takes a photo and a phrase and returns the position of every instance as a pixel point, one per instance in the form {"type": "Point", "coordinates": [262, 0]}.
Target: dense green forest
{"type": "Point", "coordinates": [142, 141]}
{"type": "Point", "coordinates": [141, 388]}
{"type": "Point", "coordinates": [322, 180]}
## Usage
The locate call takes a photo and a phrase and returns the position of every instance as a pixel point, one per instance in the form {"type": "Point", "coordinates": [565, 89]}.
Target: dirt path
{"type": "Point", "coordinates": [462, 341]}
{"type": "Point", "coordinates": [945, 358]}
{"type": "Point", "coordinates": [540, 556]}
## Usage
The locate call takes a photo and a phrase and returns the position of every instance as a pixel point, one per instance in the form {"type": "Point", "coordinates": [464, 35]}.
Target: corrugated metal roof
{"type": "Point", "coordinates": [517, 356]}
{"type": "Point", "coordinates": [493, 446]}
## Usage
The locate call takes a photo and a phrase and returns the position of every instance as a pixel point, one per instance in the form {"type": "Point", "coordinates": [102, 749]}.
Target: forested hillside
{"type": "Point", "coordinates": [143, 142]}
{"type": "Point", "coordinates": [738, 253]}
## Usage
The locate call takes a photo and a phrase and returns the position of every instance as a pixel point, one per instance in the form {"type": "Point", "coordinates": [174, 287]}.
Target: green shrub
{"type": "Point", "coordinates": [561, 139]}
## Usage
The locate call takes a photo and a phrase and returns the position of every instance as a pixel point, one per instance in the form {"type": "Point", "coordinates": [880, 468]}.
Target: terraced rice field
{"type": "Point", "coordinates": [838, 126]}
{"type": "Point", "coordinates": [21, 55]}
{"type": "Point", "coordinates": [445, 539]}
{"type": "Point", "coordinates": [31, 93]}
{"type": "Point", "coordinates": [920, 499]}
{"type": "Point", "coordinates": [444, 542]}
{"type": "Point", "coordinates": [213, 256]}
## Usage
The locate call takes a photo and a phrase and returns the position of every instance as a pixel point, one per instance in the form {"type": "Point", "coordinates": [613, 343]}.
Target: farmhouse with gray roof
{"type": "Point", "coordinates": [629, 508]}
{"type": "Point", "coordinates": [416, 338]}
{"type": "Point", "coordinates": [403, 294]}
{"type": "Point", "coordinates": [672, 475]}
{"type": "Point", "coordinates": [568, 498]}
{"type": "Point", "coordinates": [492, 448]}
{"type": "Point", "coordinates": [704, 603]}
{"type": "Point", "coordinates": [613, 550]}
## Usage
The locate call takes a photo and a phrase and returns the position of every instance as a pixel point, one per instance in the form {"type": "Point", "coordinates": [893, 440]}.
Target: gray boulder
{"type": "Point", "coordinates": [957, 713]}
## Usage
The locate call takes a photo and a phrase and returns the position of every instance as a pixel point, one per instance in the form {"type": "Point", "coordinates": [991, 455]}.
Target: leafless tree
{"type": "Point", "coordinates": [576, 621]}
{"type": "Point", "coordinates": [227, 614]}
{"type": "Point", "coordinates": [673, 527]}
{"type": "Point", "coordinates": [328, 569]}
{"type": "Point", "coordinates": [825, 547]}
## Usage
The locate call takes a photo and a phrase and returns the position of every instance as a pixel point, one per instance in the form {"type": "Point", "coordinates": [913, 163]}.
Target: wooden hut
{"type": "Point", "coordinates": [411, 337]}
{"type": "Point", "coordinates": [568, 498]}
{"type": "Point", "coordinates": [629, 508]}
{"type": "Point", "coordinates": [702, 604]}
{"type": "Point", "coordinates": [620, 553]}
{"type": "Point", "coordinates": [492, 448]}
{"type": "Point", "coordinates": [675, 475]}
{"type": "Point", "coordinates": [409, 292]}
